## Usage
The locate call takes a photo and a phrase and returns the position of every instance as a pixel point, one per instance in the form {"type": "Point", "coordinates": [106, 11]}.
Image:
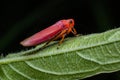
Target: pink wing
{"type": "Point", "coordinates": [44, 35]}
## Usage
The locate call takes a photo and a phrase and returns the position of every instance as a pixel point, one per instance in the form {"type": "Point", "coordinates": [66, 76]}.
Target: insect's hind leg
{"type": "Point", "coordinates": [61, 34]}
{"type": "Point", "coordinates": [48, 42]}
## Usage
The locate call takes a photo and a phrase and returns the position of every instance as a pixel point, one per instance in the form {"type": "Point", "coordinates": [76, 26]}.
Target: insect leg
{"type": "Point", "coordinates": [60, 34]}
{"type": "Point", "coordinates": [69, 30]}
{"type": "Point", "coordinates": [55, 38]}
{"type": "Point", "coordinates": [63, 36]}
{"type": "Point", "coordinates": [47, 43]}
{"type": "Point", "coordinates": [74, 31]}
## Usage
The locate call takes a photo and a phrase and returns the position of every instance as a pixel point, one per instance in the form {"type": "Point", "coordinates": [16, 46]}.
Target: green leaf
{"type": "Point", "coordinates": [77, 58]}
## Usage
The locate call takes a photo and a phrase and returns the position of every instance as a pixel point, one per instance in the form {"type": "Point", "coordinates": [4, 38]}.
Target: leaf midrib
{"type": "Point", "coordinates": [35, 56]}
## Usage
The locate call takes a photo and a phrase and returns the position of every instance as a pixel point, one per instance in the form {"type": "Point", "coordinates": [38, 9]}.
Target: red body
{"type": "Point", "coordinates": [48, 33]}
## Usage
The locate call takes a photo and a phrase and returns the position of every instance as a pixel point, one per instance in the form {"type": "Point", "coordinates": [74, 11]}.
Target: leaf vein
{"type": "Point", "coordinates": [117, 49]}
{"type": "Point", "coordinates": [16, 70]}
{"type": "Point", "coordinates": [4, 71]}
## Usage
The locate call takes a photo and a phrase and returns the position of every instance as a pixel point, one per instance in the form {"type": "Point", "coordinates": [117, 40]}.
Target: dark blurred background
{"type": "Point", "coordinates": [22, 18]}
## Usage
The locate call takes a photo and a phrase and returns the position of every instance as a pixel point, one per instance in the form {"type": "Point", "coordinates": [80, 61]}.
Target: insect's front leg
{"type": "Point", "coordinates": [74, 31]}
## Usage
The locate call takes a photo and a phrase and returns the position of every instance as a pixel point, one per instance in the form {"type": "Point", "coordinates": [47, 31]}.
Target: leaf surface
{"type": "Point", "coordinates": [77, 58]}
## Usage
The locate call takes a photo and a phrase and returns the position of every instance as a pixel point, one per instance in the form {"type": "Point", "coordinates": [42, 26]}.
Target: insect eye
{"type": "Point", "coordinates": [70, 21]}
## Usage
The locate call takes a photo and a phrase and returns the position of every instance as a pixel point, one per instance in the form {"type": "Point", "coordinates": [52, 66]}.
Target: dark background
{"type": "Point", "coordinates": [20, 19]}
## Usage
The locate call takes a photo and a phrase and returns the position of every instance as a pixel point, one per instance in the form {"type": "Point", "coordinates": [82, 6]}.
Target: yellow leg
{"type": "Point", "coordinates": [47, 43]}
{"type": "Point", "coordinates": [69, 30]}
{"type": "Point", "coordinates": [74, 31]}
{"type": "Point", "coordinates": [55, 38]}
{"type": "Point", "coordinates": [60, 35]}
{"type": "Point", "coordinates": [60, 42]}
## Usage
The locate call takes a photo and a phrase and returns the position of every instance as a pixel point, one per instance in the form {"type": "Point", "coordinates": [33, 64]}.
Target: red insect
{"type": "Point", "coordinates": [59, 30]}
